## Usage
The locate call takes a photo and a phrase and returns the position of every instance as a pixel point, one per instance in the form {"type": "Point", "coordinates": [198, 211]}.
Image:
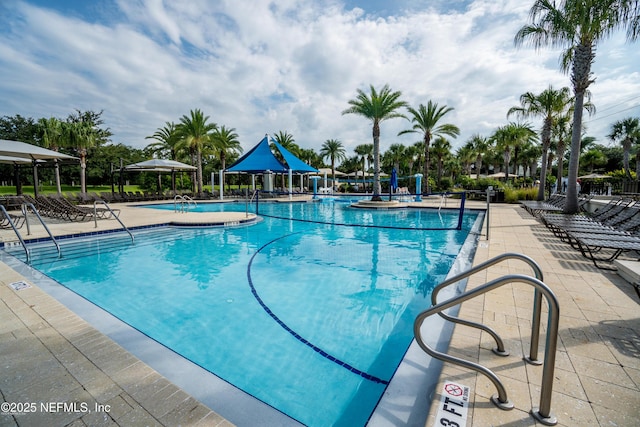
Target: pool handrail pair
{"type": "Point", "coordinates": [183, 200]}
{"type": "Point", "coordinates": [24, 207]}
{"type": "Point", "coordinates": [543, 413]}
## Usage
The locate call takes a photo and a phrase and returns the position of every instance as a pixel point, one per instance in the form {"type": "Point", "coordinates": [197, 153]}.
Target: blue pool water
{"type": "Point", "coordinates": [311, 318]}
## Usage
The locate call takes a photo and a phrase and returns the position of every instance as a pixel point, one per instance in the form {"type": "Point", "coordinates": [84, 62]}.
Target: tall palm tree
{"type": "Point", "coordinates": [195, 133]}
{"type": "Point", "coordinates": [480, 146]}
{"type": "Point", "coordinates": [334, 150]}
{"type": "Point", "coordinates": [549, 104]}
{"type": "Point", "coordinates": [51, 134]}
{"type": "Point", "coordinates": [561, 133]}
{"type": "Point", "coordinates": [395, 155]}
{"type": "Point", "coordinates": [627, 131]}
{"type": "Point", "coordinates": [425, 121]}
{"type": "Point", "coordinates": [166, 139]}
{"type": "Point", "coordinates": [376, 106]}
{"type": "Point", "coordinates": [285, 139]}
{"type": "Point", "coordinates": [82, 136]}
{"type": "Point", "coordinates": [509, 138]}
{"type": "Point", "coordinates": [578, 26]}
{"type": "Point", "coordinates": [225, 142]}
{"type": "Point", "coordinates": [466, 156]}
{"type": "Point", "coordinates": [593, 158]}
{"type": "Point", "coordinates": [441, 149]}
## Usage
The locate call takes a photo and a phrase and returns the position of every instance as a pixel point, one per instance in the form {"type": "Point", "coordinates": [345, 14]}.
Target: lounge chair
{"type": "Point", "coordinates": [5, 221]}
{"type": "Point", "coordinates": [589, 246]}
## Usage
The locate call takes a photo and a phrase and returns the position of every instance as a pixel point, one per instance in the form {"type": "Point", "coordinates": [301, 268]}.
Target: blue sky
{"type": "Point", "coordinates": [291, 65]}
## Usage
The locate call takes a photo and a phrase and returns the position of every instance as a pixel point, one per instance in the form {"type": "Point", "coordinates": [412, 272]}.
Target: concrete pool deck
{"type": "Point", "coordinates": [49, 354]}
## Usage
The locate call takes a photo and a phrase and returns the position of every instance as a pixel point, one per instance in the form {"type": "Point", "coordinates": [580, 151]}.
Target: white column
{"type": "Point", "coordinates": [221, 184]}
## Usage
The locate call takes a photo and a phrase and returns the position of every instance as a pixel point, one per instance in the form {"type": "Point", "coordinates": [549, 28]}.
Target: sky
{"type": "Point", "coordinates": [289, 65]}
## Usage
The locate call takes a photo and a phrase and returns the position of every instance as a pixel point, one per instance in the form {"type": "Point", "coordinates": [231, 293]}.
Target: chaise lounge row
{"type": "Point", "coordinates": [602, 236]}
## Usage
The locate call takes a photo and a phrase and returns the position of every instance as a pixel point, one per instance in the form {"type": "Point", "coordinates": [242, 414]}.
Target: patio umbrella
{"type": "Point", "coordinates": [393, 182]}
{"type": "Point", "coordinates": [32, 153]}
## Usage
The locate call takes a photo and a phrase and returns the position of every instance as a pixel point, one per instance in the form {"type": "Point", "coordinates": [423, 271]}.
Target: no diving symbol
{"type": "Point", "coordinates": [453, 389]}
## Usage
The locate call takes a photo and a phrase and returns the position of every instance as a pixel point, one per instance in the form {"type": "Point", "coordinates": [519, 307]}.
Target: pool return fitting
{"type": "Point", "coordinates": [543, 412]}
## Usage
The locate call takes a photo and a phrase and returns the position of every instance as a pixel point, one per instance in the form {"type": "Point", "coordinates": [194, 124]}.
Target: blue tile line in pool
{"type": "Point", "coordinates": [294, 333]}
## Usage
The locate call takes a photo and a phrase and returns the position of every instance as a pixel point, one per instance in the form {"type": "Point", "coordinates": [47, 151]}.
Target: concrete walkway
{"type": "Point", "coordinates": [50, 356]}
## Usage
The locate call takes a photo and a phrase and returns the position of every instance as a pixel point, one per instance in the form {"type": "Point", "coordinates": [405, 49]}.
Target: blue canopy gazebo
{"type": "Point", "coordinates": [260, 160]}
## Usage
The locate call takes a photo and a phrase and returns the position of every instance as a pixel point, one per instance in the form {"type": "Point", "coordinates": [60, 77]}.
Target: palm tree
{"type": "Point", "coordinates": [561, 132]}
{"type": "Point", "coordinates": [441, 149]}
{"type": "Point", "coordinates": [466, 156]}
{"type": "Point", "coordinates": [225, 142]}
{"type": "Point", "coordinates": [82, 136]}
{"type": "Point", "coordinates": [166, 140]}
{"type": "Point", "coordinates": [395, 155]}
{"type": "Point", "coordinates": [627, 131]}
{"type": "Point", "coordinates": [377, 106]}
{"type": "Point", "coordinates": [578, 26]}
{"type": "Point", "coordinates": [593, 158]}
{"type": "Point", "coordinates": [480, 146]}
{"type": "Point", "coordinates": [425, 121]}
{"type": "Point", "coordinates": [549, 104]}
{"type": "Point", "coordinates": [285, 139]}
{"type": "Point", "coordinates": [333, 149]}
{"type": "Point", "coordinates": [509, 138]}
{"type": "Point", "coordinates": [51, 133]}
{"type": "Point", "coordinates": [195, 133]}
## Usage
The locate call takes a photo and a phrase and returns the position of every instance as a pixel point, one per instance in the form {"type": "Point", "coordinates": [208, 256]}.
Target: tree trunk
{"type": "Point", "coordinates": [583, 57]}
{"type": "Point", "coordinates": [377, 189]}
{"type": "Point", "coordinates": [546, 142]}
{"type": "Point", "coordinates": [560, 153]}
{"type": "Point", "coordinates": [199, 172]}
{"type": "Point", "coordinates": [425, 169]}
{"type": "Point", "coordinates": [83, 169]}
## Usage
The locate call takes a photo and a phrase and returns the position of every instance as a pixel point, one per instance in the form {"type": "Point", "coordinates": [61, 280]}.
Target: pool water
{"type": "Point", "coordinates": [311, 318]}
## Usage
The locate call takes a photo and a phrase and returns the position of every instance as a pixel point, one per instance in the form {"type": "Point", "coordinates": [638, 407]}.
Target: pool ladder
{"type": "Point", "coordinates": [24, 208]}
{"type": "Point", "coordinates": [543, 412]}
{"type": "Point", "coordinates": [185, 203]}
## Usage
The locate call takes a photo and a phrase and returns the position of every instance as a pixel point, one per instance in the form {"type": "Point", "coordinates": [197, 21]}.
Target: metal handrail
{"type": "Point", "coordinates": [501, 400]}
{"type": "Point", "coordinates": [15, 229]}
{"type": "Point", "coordinates": [95, 216]}
{"type": "Point", "coordinates": [249, 201]}
{"type": "Point", "coordinates": [537, 304]}
{"type": "Point", "coordinates": [26, 205]}
{"type": "Point", "coordinates": [183, 199]}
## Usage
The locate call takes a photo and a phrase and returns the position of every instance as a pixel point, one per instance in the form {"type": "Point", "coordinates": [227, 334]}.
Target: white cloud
{"type": "Point", "coordinates": [291, 65]}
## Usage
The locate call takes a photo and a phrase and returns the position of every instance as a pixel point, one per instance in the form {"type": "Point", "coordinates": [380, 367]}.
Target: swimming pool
{"type": "Point", "coordinates": [311, 318]}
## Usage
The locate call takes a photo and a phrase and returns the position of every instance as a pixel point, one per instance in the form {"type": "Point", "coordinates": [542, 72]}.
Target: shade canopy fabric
{"type": "Point", "coordinates": [29, 151]}
{"type": "Point", "coordinates": [14, 160]}
{"type": "Point", "coordinates": [261, 159]}
{"type": "Point", "coordinates": [159, 165]}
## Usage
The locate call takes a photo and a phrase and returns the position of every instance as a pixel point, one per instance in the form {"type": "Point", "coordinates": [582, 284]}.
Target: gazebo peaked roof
{"type": "Point", "coordinates": [260, 159]}
{"type": "Point", "coordinates": [257, 160]}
